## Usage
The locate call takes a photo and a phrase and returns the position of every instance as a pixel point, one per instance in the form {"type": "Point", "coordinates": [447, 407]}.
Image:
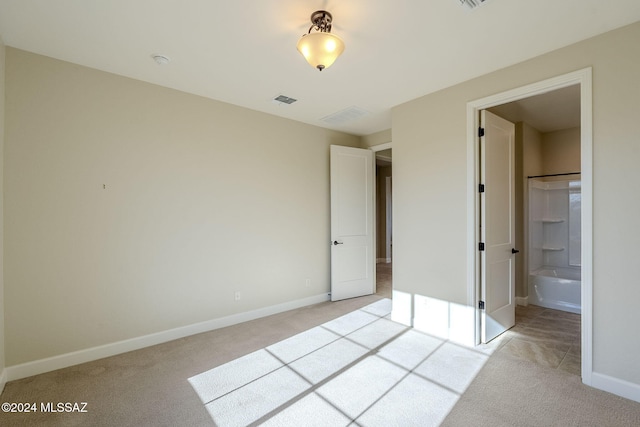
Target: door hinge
{"type": "Point", "coordinates": [480, 132]}
{"type": "Point", "coordinates": [481, 246]}
{"type": "Point", "coordinates": [481, 305]}
{"type": "Point", "coordinates": [481, 188]}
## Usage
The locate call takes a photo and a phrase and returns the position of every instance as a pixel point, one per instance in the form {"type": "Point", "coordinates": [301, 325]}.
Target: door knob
{"type": "Point", "coordinates": [335, 242]}
{"type": "Point", "coordinates": [514, 251]}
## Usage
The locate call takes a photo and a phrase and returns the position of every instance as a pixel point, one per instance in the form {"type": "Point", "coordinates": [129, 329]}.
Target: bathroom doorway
{"type": "Point", "coordinates": [504, 105]}
{"type": "Point", "coordinates": [547, 185]}
{"type": "Point", "coordinates": [548, 229]}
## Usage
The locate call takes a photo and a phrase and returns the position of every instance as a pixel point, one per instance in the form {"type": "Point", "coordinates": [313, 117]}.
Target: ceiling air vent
{"type": "Point", "coordinates": [471, 4]}
{"type": "Point", "coordinates": [346, 115]}
{"type": "Point", "coordinates": [284, 100]}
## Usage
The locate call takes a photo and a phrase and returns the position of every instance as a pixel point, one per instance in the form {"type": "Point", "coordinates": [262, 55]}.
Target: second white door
{"type": "Point", "coordinates": [352, 257]}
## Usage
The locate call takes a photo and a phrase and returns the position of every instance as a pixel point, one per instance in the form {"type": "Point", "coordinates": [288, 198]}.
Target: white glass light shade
{"type": "Point", "coordinates": [320, 49]}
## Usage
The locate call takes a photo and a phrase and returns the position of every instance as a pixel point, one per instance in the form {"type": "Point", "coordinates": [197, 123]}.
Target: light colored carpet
{"type": "Point", "coordinates": [516, 392]}
{"type": "Point", "coordinates": [360, 368]}
{"type": "Point", "coordinates": [325, 365]}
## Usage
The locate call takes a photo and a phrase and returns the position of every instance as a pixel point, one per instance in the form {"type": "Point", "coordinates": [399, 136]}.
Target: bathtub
{"type": "Point", "coordinates": [556, 287]}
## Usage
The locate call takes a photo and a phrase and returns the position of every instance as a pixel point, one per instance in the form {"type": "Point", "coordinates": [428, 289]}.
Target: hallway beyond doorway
{"type": "Point", "coordinates": [384, 284]}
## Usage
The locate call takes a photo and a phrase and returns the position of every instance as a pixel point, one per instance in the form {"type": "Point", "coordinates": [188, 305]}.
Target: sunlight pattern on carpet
{"type": "Point", "coordinates": [360, 367]}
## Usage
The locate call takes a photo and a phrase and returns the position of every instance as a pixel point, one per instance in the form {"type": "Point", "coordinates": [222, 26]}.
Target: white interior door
{"type": "Point", "coordinates": [352, 257]}
{"type": "Point", "coordinates": [497, 225]}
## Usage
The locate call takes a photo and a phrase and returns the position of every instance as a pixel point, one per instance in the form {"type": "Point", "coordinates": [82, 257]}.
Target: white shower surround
{"type": "Point", "coordinates": [554, 244]}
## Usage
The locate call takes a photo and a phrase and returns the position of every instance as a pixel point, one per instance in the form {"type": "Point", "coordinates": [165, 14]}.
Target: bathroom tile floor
{"type": "Point", "coordinates": [547, 337]}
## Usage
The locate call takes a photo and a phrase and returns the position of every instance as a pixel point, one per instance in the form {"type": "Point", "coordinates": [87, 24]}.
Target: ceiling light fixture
{"type": "Point", "coordinates": [321, 48]}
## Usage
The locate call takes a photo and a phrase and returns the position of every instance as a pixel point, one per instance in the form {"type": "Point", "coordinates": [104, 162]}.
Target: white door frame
{"type": "Point", "coordinates": [380, 147]}
{"type": "Point", "coordinates": [584, 79]}
{"type": "Point", "coordinates": [388, 217]}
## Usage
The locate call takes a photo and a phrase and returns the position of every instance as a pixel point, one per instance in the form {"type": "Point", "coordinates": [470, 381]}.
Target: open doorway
{"type": "Point", "coordinates": [547, 193]}
{"type": "Point", "coordinates": [580, 80]}
{"type": "Point", "coordinates": [384, 229]}
{"type": "Point", "coordinates": [547, 227]}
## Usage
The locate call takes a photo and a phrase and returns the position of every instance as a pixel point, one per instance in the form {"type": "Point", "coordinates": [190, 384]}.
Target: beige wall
{"type": "Point", "coordinates": [532, 164]}
{"type": "Point", "coordinates": [561, 151]}
{"type": "Point", "coordinates": [132, 209]}
{"type": "Point", "coordinates": [430, 188]}
{"type": "Point", "coordinates": [377, 138]}
{"type": "Point", "coordinates": [2, 129]}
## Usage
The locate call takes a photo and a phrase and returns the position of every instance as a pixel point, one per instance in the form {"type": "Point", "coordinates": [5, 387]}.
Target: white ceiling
{"type": "Point", "coordinates": [244, 51]}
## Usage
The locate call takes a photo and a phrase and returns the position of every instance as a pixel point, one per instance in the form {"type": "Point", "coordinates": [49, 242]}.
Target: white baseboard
{"type": "Point", "coordinates": [524, 301]}
{"type": "Point", "coordinates": [3, 380]}
{"type": "Point", "coordinates": [616, 386]}
{"type": "Point", "coordinates": [90, 354]}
